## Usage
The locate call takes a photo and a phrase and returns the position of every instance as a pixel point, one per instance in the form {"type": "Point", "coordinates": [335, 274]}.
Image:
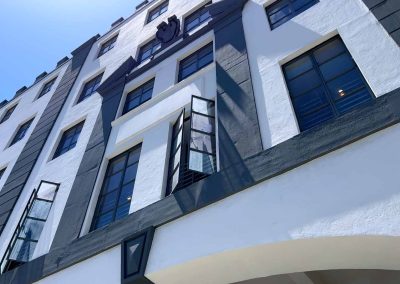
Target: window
{"type": "Point", "coordinates": [325, 83]}
{"type": "Point", "coordinates": [21, 132]}
{"type": "Point", "coordinates": [90, 87]}
{"type": "Point", "coordinates": [30, 226]}
{"type": "Point", "coordinates": [283, 10]}
{"type": "Point", "coordinates": [147, 50]}
{"type": "Point", "coordinates": [196, 61]}
{"type": "Point", "coordinates": [193, 150]}
{"type": "Point", "coordinates": [138, 96]}
{"type": "Point", "coordinates": [196, 19]}
{"type": "Point", "coordinates": [8, 113]}
{"type": "Point", "coordinates": [156, 12]}
{"type": "Point", "coordinates": [107, 46]}
{"type": "Point", "coordinates": [116, 194]}
{"type": "Point", "coordinates": [2, 172]}
{"type": "Point", "coordinates": [68, 139]}
{"type": "Point", "coordinates": [47, 87]}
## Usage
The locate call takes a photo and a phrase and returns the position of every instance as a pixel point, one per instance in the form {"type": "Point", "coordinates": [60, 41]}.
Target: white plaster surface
{"type": "Point", "coordinates": [339, 211]}
{"type": "Point", "coordinates": [373, 50]}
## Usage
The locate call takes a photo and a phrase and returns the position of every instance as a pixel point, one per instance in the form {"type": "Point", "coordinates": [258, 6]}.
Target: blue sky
{"type": "Point", "coordinates": [35, 34]}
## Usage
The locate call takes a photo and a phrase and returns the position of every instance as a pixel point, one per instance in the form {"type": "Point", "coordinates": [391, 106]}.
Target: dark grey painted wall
{"type": "Point", "coordinates": [388, 14]}
{"type": "Point", "coordinates": [238, 127]}
{"type": "Point", "coordinates": [26, 161]}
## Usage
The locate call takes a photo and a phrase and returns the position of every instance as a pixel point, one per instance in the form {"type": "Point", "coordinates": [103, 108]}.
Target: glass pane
{"type": "Point", "coordinates": [130, 173]}
{"type": "Point", "coordinates": [304, 83]}
{"type": "Point", "coordinates": [104, 219]}
{"type": "Point", "coordinates": [205, 60]}
{"type": "Point", "coordinates": [188, 70]}
{"type": "Point", "coordinates": [205, 16]}
{"type": "Point", "coordinates": [345, 84]}
{"type": "Point", "coordinates": [336, 66]}
{"type": "Point", "coordinates": [202, 123]}
{"type": "Point", "coordinates": [113, 182]}
{"type": "Point", "coordinates": [133, 103]}
{"type": "Point", "coordinates": [134, 156]}
{"type": "Point", "coordinates": [298, 67]}
{"type": "Point", "coordinates": [279, 14]}
{"type": "Point", "coordinates": [175, 180]}
{"type": "Point", "coordinates": [47, 191]}
{"type": "Point", "coordinates": [40, 209]}
{"type": "Point", "coordinates": [31, 229]}
{"type": "Point", "coordinates": [176, 159]}
{"type": "Point", "coordinates": [192, 24]}
{"type": "Point", "coordinates": [201, 162]}
{"type": "Point", "coordinates": [201, 142]}
{"type": "Point", "coordinates": [126, 193]}
{"type": "Point", "coordinates": [22, 250]}
{"type": "Point", "coordinates": [329, 50]}
{"type": "Point", "coordinates": [146, 95]}
{"type": "Point", "coordinates": [122, 211]}
{"type": "Point", "coordinates": [177, 141]}
{"type": "Point", "coordinates": [203, 106]}
{"type": "Point", "coordinates": [349, 102]}
{"type": "Point", "coordinates": [108, 202]}
{"type": "Point", "coordinates": [316, 118]}
{"type": "Point", "coordinates": [117, 165]}
{"type": "Point", "coordinates": [310, 101]}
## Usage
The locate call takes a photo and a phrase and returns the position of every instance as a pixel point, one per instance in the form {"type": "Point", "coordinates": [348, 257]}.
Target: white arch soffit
{"type": "Point", "coordinates": [356, 252]}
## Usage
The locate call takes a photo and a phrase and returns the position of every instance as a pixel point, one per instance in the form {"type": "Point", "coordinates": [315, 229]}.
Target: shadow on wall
{"type": "Point", "coordinates": [266, 49]}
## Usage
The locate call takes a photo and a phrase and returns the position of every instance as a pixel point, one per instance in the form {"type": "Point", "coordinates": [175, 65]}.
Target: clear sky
{"type": "Point", "coordinates": [35, 34]}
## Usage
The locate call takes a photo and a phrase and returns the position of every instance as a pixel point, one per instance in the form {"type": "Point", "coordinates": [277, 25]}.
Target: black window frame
{"type": "Point", "coordinates": [157, 11]}
{"type": "Point", "coordinates": [8, 113]}
{"type": "Point", "coordinates": [194, 16]}
{"type": "Point", "coordinates": [293, 12]}
{"type": "Point", "coordinates": [107, 46]}
{"type": "Point", "coordinates": [327, 94]}
{"type": "Point", "coordinates": [47, 87]}
{"type": "Point", "coordinates": [197, 57]}
{"type": "Point", "coordinates": [21, 132]}
{"type": "Point", "coordinates": [70, 135]}
{"type": "Point", "coordinates": [113, 171]}
{"type": "Point", "coordinates": [138, 93]}
{"type": "Point", "coordinates": [153, 46]}
{"type": "Point", "coordinates": [91, 85]}
{"type": "Point", "coordinates": [183, 145]}
{"type": "Point", "coordinates": [32, 215]}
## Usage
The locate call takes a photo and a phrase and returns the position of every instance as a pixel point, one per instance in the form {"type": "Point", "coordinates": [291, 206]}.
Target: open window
{"type": "Point", "coordinates": [193, 146]}
{"type": "Point", "coordinates": [30, 226]}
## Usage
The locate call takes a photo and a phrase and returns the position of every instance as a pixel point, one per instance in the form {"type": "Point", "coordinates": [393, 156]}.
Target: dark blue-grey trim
{"type": "Point", "coordinates": [388, 14]}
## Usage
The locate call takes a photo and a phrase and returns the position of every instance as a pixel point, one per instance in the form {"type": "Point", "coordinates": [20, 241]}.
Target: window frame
{"type": "Point", "coordinates": [293, 13]}
{"type": "Point", "coordinates": [324, 82]}
{"type": "Point", "coordinates": [76, 129]}
{"type": "Point", "coordinates": [154, 44]}
{"type": "Point", "coordinates": [189, 58]}
{"type": "Point", "coordinates": [119, 190]}
{"type": "Point", "coordinates": [141, 88]}
{"type": "Point", "coordinates": [198, 11]}
{"type": "Point", "coordinates": [157, 10]}
{"type": "Point", "coordinates": [5, 261]}
{"type": "Point", "coordinates": [27, 124]}
{"type": "Point", "coordinates": [7, 114]}
{"type": "Point", "coordinates": [2, 171]}
{"type": "Point", "coordinates": [46, 89]}
{"type": "Point", "coordinates": [96, 81]}
{"type": "Point", "coordinates": [107, 45]}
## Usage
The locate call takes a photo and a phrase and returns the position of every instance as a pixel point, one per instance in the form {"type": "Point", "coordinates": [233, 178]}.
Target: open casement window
{"type": "Point", "coordinates": [30, 226]}
{"type": "Point", "coordinates": [202, 136]}
{"type": "Point", "coordinates": [193, 154]}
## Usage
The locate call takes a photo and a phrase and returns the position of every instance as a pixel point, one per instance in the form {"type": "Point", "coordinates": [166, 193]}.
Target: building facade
{"type": "Point", "coordinates": [196, 141]}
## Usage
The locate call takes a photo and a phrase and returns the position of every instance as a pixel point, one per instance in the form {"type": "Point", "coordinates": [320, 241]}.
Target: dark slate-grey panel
{"type": "Point", "coordinates": [26, 161]}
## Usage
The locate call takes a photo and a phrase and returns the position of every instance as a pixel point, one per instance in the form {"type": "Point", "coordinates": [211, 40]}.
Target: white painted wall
{"type": "Point", "coordinates": [28, 106]}
{"type": "Point", "coordinates": [343, 215]}
{"type": "Point", "coordinates": [373, 50]}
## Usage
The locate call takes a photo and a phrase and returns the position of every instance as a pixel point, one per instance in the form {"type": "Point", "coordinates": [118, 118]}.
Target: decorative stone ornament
{"type": "Point", "coordinates": [167, 32]}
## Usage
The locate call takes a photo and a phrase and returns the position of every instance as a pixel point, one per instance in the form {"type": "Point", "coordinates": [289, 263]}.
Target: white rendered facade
{"type": "Point", "coordinates": [337, 210]}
